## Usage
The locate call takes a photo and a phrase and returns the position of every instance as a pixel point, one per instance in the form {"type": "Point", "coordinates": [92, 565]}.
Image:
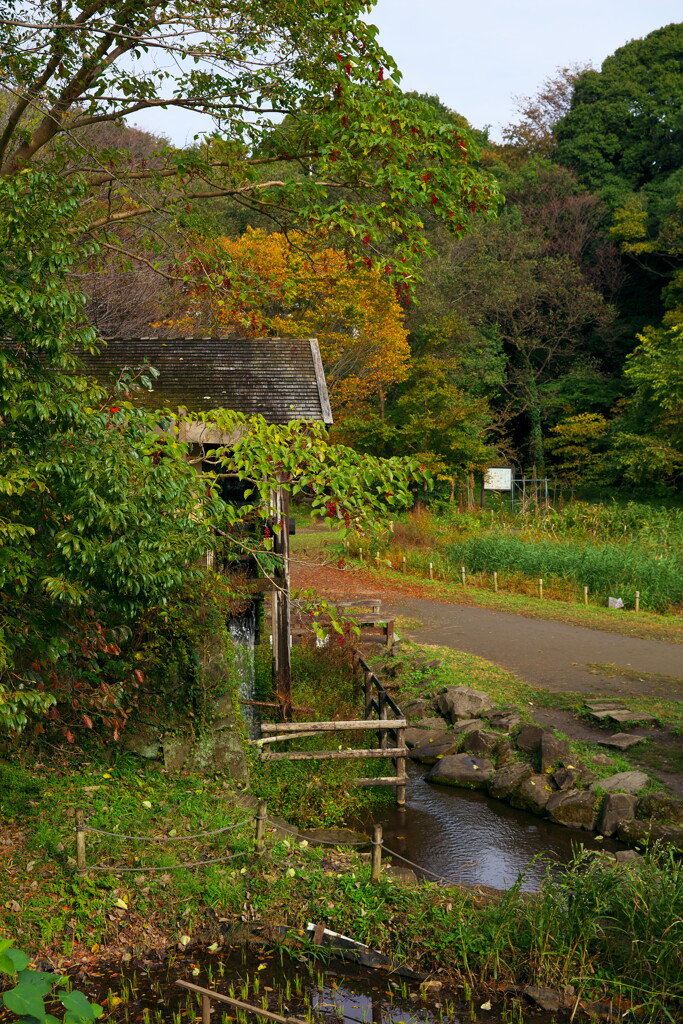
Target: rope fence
{"type": "Point", "coordinates": [261, 821]}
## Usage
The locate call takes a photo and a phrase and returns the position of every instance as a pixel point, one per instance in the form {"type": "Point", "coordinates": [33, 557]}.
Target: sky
{"type": "Point", "coordinates": [478, 56]}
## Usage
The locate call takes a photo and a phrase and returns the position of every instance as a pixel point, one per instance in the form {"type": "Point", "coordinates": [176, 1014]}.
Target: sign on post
{"type": "Point", "coordinates": [498, 478]}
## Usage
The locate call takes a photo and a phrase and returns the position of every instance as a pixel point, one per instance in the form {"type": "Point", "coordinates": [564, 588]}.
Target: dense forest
{"type": "Point", "coordinates": [548, 336]}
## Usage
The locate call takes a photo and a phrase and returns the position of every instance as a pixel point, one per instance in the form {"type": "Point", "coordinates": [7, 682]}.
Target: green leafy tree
{"type": "Point", "coordinates": [26, 999]}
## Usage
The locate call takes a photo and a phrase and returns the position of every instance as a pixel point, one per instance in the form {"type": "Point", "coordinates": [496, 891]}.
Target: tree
{"type": "Point", "coordinates": [625, 125]}
{"type": "Point", "coordinates": [534, 133]}
{"type": "Point", "coordinates": [351, 309]}
{"type": "Point", "coordinates": [352, 156]}
{"type": "Point", "coordinates": [102, 513]}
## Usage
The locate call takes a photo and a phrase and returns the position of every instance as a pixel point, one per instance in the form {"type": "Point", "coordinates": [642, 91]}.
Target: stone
{"type": "Point", "coordinates": [144, 741]}
{"type": "Point", "coordinates": [547, 998]}
{"type": "Point", "coordinates": [460, 702]}
{"type": "Point", "coordinates": [553, 749]}
{"type": "Point", "coordinates": [529, 738]}
{"type": "Point", "coordinates": [533, 794]}
{"type": "Point", "coordinates": [176, 751]}
{"type": "Point", "coordinates": [415, 709]}
{"type": "Point", "coordinates": [566, 778]}
{"type": "Point", "coordinates": [219, 751]}
{"type": "Point", "coordinates": [506, 779]}
{"type": "Point", "coordinates": [431, 723]}
{"type": "Point", "coordinates": [400, 874]}
{"type": "Point", "coordinates": [479, 742]}
{"type": "Point", "coordinates": [430, 751]}
{"type": "Point", "coordinates": [505, 723]}
{"type": "Point", "coordinates": [622, 782]}
{"type": "Point", "coordinates": [466, 725]}
{"type": "Point", "coordinates": [627, 856]}
{"type": "Point", "coordinates": [621, 740]}
{"type": "Point", "coordinates": [574, 808]}
{"type": "Point", "coordinates": [646, 832]}
{"type": "Point", "coordinates": [617, 807]}
{"type": "Point", "coordinates": [602, 760]}
{"type": "Point", "coordinates": [466, 770]}
{"type": "Point", "coordinates": [503, 752]}
{"type": "Point", "coordinates": [415, 736]}
{"type": "Point", "coordinates": [660, 807]}
{"type": "Point", "coordinates": [338, 836]}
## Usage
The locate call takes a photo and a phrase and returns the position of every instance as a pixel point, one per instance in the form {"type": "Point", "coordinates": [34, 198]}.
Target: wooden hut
{"type": "Point", "coordinates": [281, 379]}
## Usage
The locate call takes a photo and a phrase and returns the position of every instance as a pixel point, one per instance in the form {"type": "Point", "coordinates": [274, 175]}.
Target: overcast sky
{"type": "Point", "coordinates": [477, 56]}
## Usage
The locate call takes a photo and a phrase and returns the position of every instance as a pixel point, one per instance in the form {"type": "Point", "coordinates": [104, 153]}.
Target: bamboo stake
{"type": "Point", "coordinates": [540, 588]}
{"type": "Point", "coordinates": [585, 596]}
{"type": "Point", "coordinates": [81, 868]}
{"type": "Point", "coordinates": [462, 574]}
{"type": "Point", "coordinates": [261, 815]}
{"type": "Point", "coordinates": [637, 600]}
{"type": "Point", "coordinates": [360, 553]}
{"type": "Point", "coordinates": [495, 582]}
{"type": "Point", "coordinates": [431, 571]}
{"type": "Point", "coordinates": [273, 728]}
{"type": "Point", "coordinates": [403, 565]}
{"type": "Point", "coordinates": [376, 863]}
{"type": "Point", "coordinates": [333, 755]}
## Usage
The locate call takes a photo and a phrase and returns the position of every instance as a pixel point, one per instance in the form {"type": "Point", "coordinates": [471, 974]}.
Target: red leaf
{"type": "Point", "coordinates": [69, 736]}
{"type": "Point", "coordinates": [139, 675]}
{"type": "Point", "coordinates": [88, 721]}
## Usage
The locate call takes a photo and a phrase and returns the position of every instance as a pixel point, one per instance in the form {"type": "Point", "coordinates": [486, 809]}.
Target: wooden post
{"type": "Point", "coordinates": [382, 701]}
{"type": "Point", "coordinates": [261, 815]}
{"type": "Point", "coordinates": [368, 692]}
{"type": "Point", "coordinates": [360, 554]}
{"type": "Point", "coordinates": [637, 600]}
{"type": "Point", "coordinates": [282, 663]}
{"type": "Point", "coordinates": [540, 588]}
{"type": "Point", "coordinates": [400, 769]}
{"type": "Point", "coordinates": [81, 868]}
{"type": "Point", "coordinates": [206, 1009]}
{"type": "Point", "coordinates": [403, 564]}
{"type": "Point", "coordinates": [585, 596]}
{"type": "Point", "coordinates": [377, 560]}
{"type": "Point", "coordinates": [431, 571]}
{"type": "Point", "coordinates": [495, 582]}
{"type": "Point", "coordinates": [462, 574]}
{"type": "Point", "coordinates": [376, 863]}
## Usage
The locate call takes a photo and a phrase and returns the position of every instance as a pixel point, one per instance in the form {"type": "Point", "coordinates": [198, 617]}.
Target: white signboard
{"type": "Point", "coordinates": [498, 479]}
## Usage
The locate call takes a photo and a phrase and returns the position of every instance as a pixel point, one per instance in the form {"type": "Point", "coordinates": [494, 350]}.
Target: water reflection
{"type": "Point", "coordinates": [471, 839]}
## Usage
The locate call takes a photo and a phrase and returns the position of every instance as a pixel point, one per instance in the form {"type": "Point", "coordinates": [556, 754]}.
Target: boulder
{"type": "Point", "coordinates": [529, 738]}
{"type": "Point", "coordinates": [143, 740]}
{"type": "Point", "coordinates": [646, 832]}
{"type": "Point", "coordinates": [566, 778]}
{"type": "Point", "coordinates": [479, 742]}
{"type": "Point", "coordinates": [617, 807]}
{"type": "Point", "coordinates": [623, 782]}
{"type": "Point", "coordinates": [574, 808]}
{"type": "Point", "coordinates": [506, 779]}
{"type": "Point", "coordinates": [533, 794]}
{"type": "Point", "coordinates": [459, 702]}
{"type": "Point", "coordinates": [505, 723]}
{"type": "Point", "coordinates": [431, 723]}
{"type": "Point", "coordinates": [547, 998]}
{"type": "Point", "coordinates": [503, 752]}
{"type": "Point", "coordinates": [465, 770]}
{"type": "Point", "coordinates": [466, 725]}
{"type": "Point", "coordinates": [415, 709]}
{"type": "Point", "coordinates": [431, 750]}
{"type": "Point", "coordinates": [553, 749]}
{"type": "Point", "coordinates": [627, 857]}
{"type": "Point", "coordinates": [660, 807]}
{"type": "Point", "coordinates": [415, 737]}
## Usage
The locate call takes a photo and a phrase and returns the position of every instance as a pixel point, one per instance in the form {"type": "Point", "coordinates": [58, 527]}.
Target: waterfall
{"type": "Point", "coordinates": [243, 635]}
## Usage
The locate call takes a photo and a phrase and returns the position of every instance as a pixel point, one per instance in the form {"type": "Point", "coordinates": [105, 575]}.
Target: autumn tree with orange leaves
{"type": "Point", "coordinates": [273, 286]}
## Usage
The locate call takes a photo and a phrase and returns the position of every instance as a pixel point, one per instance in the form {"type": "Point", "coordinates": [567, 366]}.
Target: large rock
{"type": "Point", "coordinates": [506, 779]}
{"type": "Point", "coordinates": [479, 742]}
{"type": "Point", "coordinates": [466, 725]}
{"type": "Point", "coordinates": [143, 740]}
{"type": "Point", "coordinates": [660, 807]}
{"type": "Point", "coordinates": [623, 782]}
{"type": "Point", "coordinates": [415, 709]}
{"type": "Point", "coordinates": [646, 832]}
{"type": "Point", "coordinates": [529, 738]}
{"type": "Point", "coordinates": [465, 770]}
{"type": "Point", "coordinates": [504, 751]}
{"type": "Point", "coordinates": [431, 723]}
{"type": "Point", "coordinates": [553, 749]}
{"type": "Point", "coordinates": [622, 740]}
{"type": "Point", "coordinates": [616, 808]}
{"type": "Point", "coordinates": [415, 737]}
{"type": "Point", "coordinates": [533, 794]}
{"type": "Point", "coordinates": [457, 702]}
{"type": "Point", "coordinates": [546, 998]}
{"type": "Point", "coordinates": [575, 808]}
{"type": "Point", "coordinates": [440, 746]}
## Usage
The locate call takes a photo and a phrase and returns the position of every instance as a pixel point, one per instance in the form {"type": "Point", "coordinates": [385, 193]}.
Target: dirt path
{"type": "Point", "coordinates": [552, 655]}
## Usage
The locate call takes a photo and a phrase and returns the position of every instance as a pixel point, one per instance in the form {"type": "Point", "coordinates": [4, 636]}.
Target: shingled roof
{"type": "Point", "coordinates": [280, 378]}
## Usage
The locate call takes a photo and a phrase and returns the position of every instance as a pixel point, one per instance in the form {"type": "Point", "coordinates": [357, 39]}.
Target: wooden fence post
{"type": "Point", "coordinates": [368, 692]}
{"type": "Point", "coordinates": [540, 588]}
{"type": "Point", "coordinates": [462, 574]}
{"type": "Point", "coordinates": [637, 600]}
{"type": "Point", "coordinates": [431, 570]}
{"type": "Point", "coordinates": [495, 582]}
{"type": "Point", "coordinates": [382, 702]}
{"type": "Point", "coordinates": [403, 564]}
{"type": "Point", "coordinates": [401, 768]}
{"type": "Point", "coordinates": [585, 596]}
{"type": "Point", "coordinates": [81, 868]}
{"type": "Point", "coordinates": [261, 815]}
{"type": "Point", "coordinates": [206, 1009]}
{"type": "Point", "coordinates": [376, 863]}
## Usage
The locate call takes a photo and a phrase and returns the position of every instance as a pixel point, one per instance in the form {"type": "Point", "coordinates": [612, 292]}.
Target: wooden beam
{"type": "Point", "coordinates": [385, 780]}
{"type": "Point", "coordinates": [361, 723]}
{"type": "Point", "coordinates": [247, 1007]}
{"type": "Point", "coordinates": [331, 755]}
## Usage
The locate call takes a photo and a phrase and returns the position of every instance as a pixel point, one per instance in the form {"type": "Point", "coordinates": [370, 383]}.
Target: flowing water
{"type": "Point", "coordinates": [242, 630]}
{"type": "Point", "coordinates": [472, 839]}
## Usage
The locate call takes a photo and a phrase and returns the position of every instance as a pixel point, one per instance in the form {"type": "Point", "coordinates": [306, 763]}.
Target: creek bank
{"type": "Point", "coordinates": [469, 742]}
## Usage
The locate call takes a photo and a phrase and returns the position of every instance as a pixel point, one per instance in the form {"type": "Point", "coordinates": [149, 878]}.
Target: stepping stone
{"type": "Point", "coordinates": [622, 740]}
{"type": "Point", "coordinates": [632, 716]}
{"type": "Point", "coordinates": [603, 705]}
{"type": "Point", "coordinates": [623, 782]}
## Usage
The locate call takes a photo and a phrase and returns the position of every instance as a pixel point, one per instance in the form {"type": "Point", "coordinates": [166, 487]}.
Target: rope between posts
{"type": "Point", "coordinates": [163, 839]}
{"type": "Point", "coordinates": [439, 878]}
{"type": "Point", "coordinates": [322, 842]}
{"type": "Point", "coordinates": [114, 870]}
